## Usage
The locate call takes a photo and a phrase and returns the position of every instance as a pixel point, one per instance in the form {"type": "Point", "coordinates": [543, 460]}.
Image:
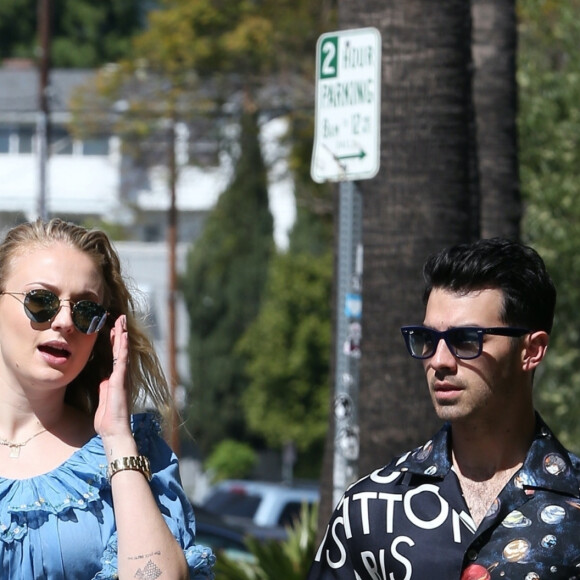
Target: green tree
{"type": "Point", "coordinates": [209, 37]}
{"type": "Point", "coordinates": [231, 460]}
{"type": "Point", "coordinates": [192, 54]}
{"type": "Point", "coordinates": [223, 287]}
{"type": "Point", "coordinates": [84, 34]}
{"type": "Point", "coordinates": [18, 28]}
{"type": "Point", "coordinates": [244, 49]}
{"type": "Point", "coordinates": [289, 345]}
{"type": "Point", "coordinates": [549, 123]}
{"type": "Point", "coordinates": [288, 348]}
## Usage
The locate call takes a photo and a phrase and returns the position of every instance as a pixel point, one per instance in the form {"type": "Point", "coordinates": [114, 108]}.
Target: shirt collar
{"type": "Point", "coordinates": [548, 465]}
{"type": "Point", "coordinates": [432, 459]}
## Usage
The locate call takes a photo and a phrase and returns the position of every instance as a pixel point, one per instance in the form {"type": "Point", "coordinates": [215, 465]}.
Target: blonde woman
{"type": "Point", "coordinates": [87, 489]}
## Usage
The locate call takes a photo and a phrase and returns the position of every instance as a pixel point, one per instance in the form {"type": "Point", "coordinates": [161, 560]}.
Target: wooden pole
{"type": "Point", "coordinates": [43, 126]}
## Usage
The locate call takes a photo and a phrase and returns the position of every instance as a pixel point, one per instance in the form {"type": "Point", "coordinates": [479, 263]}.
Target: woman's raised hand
{"type": "Point", "coordinates": [112, 416]}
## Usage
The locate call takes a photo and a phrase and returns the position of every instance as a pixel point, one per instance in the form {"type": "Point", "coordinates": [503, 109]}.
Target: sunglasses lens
{"type": "Point", "coordinates": [88, 316]}
{"type": "Point", "coordinates": [421, 342]}
{"type": "Point", "coordinates": [466, 342]}
{"type": "Point", "coordinates": [41, 305]}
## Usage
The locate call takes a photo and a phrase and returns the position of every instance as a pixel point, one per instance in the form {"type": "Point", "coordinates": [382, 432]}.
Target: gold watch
{"type": "Point", "coordinates": [131, 462]}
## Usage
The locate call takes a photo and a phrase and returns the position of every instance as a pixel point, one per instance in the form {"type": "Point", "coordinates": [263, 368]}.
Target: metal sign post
{"type": "Point", "coordinates": [348, 339]}
{"type": "Point", "coordinates": [347, 148]}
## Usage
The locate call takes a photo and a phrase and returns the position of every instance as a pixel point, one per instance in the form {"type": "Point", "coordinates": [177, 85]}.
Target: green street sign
{"type": "Point", "coordinates": [348, 106]}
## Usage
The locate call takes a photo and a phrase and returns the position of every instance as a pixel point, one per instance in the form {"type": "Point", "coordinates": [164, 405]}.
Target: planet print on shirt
{"type": "Point", "coordinates": [516, 550]}
{"type": "Point", "coordinates": [475, 572]}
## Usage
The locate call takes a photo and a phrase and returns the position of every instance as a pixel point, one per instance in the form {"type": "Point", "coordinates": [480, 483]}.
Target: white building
{"type": "Point", "coordinates": [89, 180]}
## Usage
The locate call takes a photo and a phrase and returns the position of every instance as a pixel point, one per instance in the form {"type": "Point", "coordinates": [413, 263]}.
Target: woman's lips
{"type": "Point", "coordinates": [55, 352]}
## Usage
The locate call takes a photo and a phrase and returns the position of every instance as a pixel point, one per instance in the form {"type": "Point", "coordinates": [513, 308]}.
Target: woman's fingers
{"type": "Point", "coordinates": [112, 414]}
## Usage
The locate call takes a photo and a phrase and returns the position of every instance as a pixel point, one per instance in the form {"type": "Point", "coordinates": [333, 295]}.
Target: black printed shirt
{"type": "Point", "coordinates": [409, 521]}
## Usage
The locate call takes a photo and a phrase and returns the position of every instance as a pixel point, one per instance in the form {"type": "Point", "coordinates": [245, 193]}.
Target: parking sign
{"type": "Point", "coordinates": [348, 106]}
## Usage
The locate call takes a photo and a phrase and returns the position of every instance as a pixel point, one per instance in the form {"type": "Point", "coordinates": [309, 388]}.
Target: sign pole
{"type": "Point", "coordinates": [346, 149]}
{"type": "Point", "coordinates": [348, 337]}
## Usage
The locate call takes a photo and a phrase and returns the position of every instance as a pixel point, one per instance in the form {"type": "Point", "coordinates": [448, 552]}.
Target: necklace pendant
{"type": "Point", "coordinates": [14, 451]}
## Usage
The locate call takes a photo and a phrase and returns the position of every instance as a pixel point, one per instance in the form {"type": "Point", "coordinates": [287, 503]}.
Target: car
{"type": "Point", "coordinates": [264, 504]}
{"type": "Point", "coordinates": [221, 535]}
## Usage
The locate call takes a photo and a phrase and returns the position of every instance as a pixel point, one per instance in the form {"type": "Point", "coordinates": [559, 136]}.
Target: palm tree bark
{"type": "Point", "coordinates": [495, 101]}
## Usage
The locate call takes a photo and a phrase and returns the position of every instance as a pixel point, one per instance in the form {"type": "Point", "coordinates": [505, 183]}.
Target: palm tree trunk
{"type": "Point", "coordinates": [495, 99]}
{"type": "Point", "coordinates": [419, 202]}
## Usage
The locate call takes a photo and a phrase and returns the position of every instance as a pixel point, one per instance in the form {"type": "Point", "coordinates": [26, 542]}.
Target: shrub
{"type": "Point", "coordinates": [231, 460]}
{"type": "Point", "coordinates": [274, 560]}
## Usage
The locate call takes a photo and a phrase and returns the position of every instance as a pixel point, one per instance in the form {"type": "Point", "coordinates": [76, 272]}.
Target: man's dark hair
{"type": "Point", "coordinates": [515, 269]}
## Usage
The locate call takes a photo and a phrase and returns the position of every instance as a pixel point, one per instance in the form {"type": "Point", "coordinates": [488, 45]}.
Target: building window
{"type": "Point", "coordinates": [22, 140]}
{"type": "Point", "coordinates": [96, 146]}
{"type": "Point", "coordinates": [152, 233]}
{"type": "Point", "coordinates": [25, 139]}
{"type": "Point", "coordinates": [60, 141]}
{"type": "Point", "coordinates": [4, 140]}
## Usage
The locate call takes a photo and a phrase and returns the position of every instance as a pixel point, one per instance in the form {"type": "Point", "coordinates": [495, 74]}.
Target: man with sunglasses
{"type": "Point", "coordinates": [493, 495]}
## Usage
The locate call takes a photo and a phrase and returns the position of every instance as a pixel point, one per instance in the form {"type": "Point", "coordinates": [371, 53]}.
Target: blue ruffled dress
{"type": "Point", "coordinates": [61, 525]}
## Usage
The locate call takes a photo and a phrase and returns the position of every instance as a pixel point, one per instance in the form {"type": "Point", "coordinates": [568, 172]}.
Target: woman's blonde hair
{"type": "Point", "coordinates": [145, 380]}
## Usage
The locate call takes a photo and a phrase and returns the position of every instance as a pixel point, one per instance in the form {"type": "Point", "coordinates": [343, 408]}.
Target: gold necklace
{"type": "Point", "coordinates": [15, 447]}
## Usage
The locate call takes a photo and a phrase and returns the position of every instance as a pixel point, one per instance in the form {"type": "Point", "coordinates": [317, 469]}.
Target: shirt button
{"type": "Point", "coordinates": [472, 555]}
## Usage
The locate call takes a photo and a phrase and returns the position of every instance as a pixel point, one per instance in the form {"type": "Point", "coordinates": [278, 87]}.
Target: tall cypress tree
{"type": "Point", "coordinates": [223, 286]}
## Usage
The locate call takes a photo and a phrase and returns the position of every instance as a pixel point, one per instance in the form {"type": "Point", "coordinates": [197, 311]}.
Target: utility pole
{"type": "Point", "coordinates": [43, 125]}
{"type": "Point", "coordinates": [172, 293]}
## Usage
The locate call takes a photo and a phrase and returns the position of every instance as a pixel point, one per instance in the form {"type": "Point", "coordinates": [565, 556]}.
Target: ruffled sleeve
{"type": "Point", "coordinates": [171, 499]}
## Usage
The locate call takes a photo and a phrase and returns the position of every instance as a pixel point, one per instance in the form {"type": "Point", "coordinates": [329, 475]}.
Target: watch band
{"type": "Point", "coordinates": [131, 462]}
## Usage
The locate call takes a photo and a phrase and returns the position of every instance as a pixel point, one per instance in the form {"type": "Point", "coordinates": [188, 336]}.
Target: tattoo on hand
{"type": "Point", "coordinates": [149, 572]}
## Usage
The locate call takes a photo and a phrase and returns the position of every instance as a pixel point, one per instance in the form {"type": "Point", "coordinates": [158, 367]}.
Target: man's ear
{"type": "Point", "coordinates": [535, 347]}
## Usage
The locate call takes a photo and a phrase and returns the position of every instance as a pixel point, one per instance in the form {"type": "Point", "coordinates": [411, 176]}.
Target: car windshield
{"type": "Point", "coordinates": [233, 503]}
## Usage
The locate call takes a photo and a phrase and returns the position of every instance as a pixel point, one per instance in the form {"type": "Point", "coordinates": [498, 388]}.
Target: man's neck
{"type": "Point", "coordinates": [485, 459]}
{"type": "Point", "coordinates": [480, 451]}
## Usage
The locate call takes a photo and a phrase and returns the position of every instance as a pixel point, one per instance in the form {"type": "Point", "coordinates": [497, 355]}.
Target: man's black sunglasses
{"type": "Point", "coordinates": [43, 305]}
{"type": "Point", "coordinates": [464, 342]}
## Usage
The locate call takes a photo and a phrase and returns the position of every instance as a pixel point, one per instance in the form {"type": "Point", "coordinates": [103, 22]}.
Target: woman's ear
{"type": "Point", "coordinates": [535, 347]}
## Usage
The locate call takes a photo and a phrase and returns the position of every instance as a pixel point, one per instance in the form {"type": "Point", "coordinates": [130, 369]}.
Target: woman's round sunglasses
{"type": "Point", "coordinates": [43, 305]}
